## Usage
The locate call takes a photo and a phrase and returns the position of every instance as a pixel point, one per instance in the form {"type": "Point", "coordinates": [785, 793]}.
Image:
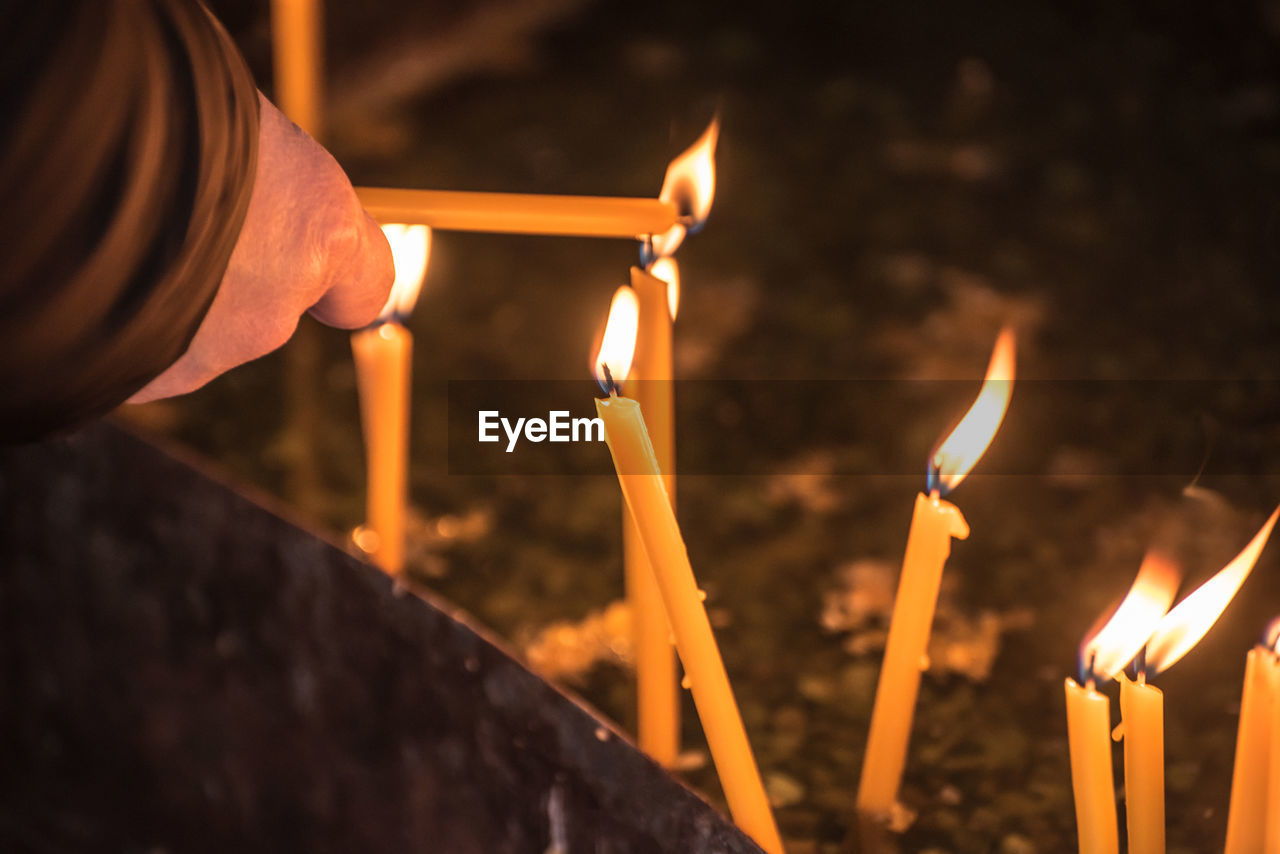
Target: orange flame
{"type": "Point", "coordinates": [1184, 626]}
{"type": "Point", "coordinates": [690, 185]}
{"type": "Point", "coordinates": [1106, 653]}
{"type": "Point", "coordinates": [618, 345]}
{"type": "Point", "coordinates": [410, 249]}
{"type": "Point", "coordinates": [665, 269]}
{"type": "Point", "coordinates": [959, 452]}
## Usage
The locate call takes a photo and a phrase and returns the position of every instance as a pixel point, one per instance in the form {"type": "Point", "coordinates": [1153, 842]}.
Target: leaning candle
{"type": "Point", "coordinates": [682, 205]}
{"type": "Point", "coordinates": [657, 682]}
{"type": "Point", "coordinates": [1142, 705]}
{"type": "Point", "coordinates": [514, 213]}
{"type": "Point", "coordinates": [646, 498]}
{"type": "Point", "coordinates": [933, 524]}
{"type": "Point", "coordinates": [384, 363]}
{"type": "Point", "coordinates": [1253, 779]}
{"type": "Point", "coordinates": [1102, 655]}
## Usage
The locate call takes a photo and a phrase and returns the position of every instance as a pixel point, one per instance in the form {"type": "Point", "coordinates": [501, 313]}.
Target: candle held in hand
{"type": "Point", "coordinates": [682, 206]}
{"type": "Point", "coordinates": [516, 213]}
{"type": "Point", "coordinates": [934, 523]}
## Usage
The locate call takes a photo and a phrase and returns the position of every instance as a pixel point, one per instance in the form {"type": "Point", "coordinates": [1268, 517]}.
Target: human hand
{"type": "Point", "coordinates": [306, 245]}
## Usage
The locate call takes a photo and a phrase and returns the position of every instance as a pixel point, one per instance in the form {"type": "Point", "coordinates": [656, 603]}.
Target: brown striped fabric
{"type": "Point", "coordinates": [128, 143]}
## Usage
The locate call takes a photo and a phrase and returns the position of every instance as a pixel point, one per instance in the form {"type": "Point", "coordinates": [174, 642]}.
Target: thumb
{"type": "Point", "coordinates": [360, 282]}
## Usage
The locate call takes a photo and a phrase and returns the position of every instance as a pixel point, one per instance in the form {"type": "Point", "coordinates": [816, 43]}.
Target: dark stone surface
{"type": "Point", "coordinates": [182, 670]}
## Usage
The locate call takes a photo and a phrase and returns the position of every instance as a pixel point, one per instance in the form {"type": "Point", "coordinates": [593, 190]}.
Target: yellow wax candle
{"type": "Point", "coordinates": [657, 681]}
{"type": "Point", "coordinates": [1103, 655]}
{"type": "Point", "coordinates": [1142, 706]}
{"type": "Point", "coordinates": [384, 359]}
{"type": "Point", "coordinates": [1272, 808]}
{"type": "Point", "coordinates": [1089, 737]}
{"type": "Point", "coordinates": [1142, 720]}
{"type": "Point", "coordinates": [641, 481]}
{"type": "Point", "coordinates": [1252, 788]}
{"type": "Point", "coordinates": [933, 524]}
{"type": "Point", "coordinates": [296, 51]}
{"type": "Point", "coordinates": [516, 213]}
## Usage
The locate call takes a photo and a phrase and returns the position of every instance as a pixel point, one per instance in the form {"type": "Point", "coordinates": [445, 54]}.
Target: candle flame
{"type": "Point", "coordinates": [690, 184]}
{"type": "Point", "coordinates": [1184, 626]}
{"type": "Point", "coordinates": [619, 342]}
{"type": "Point", "coordinates": [959, 452]}
{"type": "Point", "coordinates": [665, 268]}
{"type": "Point", "coordinates": [410, 249]}
{"type": "Point", "coordinates": [1105, 653]}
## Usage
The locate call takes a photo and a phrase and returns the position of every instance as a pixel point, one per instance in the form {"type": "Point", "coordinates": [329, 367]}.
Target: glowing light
{"type": "Point", "coordinates": [410, 249]}
{"type": "Point", "coordinates": [618, 345]}
{"type": "Point", "coordinates": [1184, 626]}
{"type": "Point", "coordinates": [959, 452]}
{"type": "Point", "coordinates": [1106, 653]}
{"type": "Point", "coordinates": [665, 268]}
{"type": "Point", "coordinates": [690, 184]}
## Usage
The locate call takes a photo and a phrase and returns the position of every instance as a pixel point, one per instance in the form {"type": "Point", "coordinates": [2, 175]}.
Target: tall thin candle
{"type": "Point", "coordinates": [641, 480]}
{"type": "Point", "coordinates": [383, 356]}
{"type": "Point", "coordinates": [1102, 656]}
{"type": "Point", "coordinates": [1252, 778]}
{"type": "Point", "coordinates": [934, 523]}
{"type": "Point", "coordinates": [1142, 705]}
{"type": "Point", "coordinates": [657, 681]}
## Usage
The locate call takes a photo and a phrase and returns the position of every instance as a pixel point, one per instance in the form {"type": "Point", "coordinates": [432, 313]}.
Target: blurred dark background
{"type": "Point", "coordinates": [896, 181]}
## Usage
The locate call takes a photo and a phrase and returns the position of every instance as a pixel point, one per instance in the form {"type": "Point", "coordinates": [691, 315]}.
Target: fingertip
{"type": "Point", "coordinates": [356, 299]}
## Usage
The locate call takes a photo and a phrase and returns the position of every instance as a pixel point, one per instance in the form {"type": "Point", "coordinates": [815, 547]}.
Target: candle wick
{"type": "Point", "coordinates": [609, 382]}
{"type": "Point", "coordinates": [1140, 666]}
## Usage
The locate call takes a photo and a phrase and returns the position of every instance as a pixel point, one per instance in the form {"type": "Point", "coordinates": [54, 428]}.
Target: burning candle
{"type": "Point", "coordinates": [1254, 784]}
{"type": "Point", "coordinates": [642, 487]}
{"type": "Point", "coordinates": [933, 524]}
{"type": "Point", "coordinates": [657, 681]}
{"type": "Point", "coordinates": [666, 218]}
{"type": "Point", "coordinates": [516, 213]}
{"type": "Point", "coordinates": [384, 364]}
{"type": "Point", "coordinates": [1272, 804]}
{"type": "Point", "coordinates": [690, 186]}
{"type": "Point", "coordinates": [1142, 704]}
{"type": "Point", "coordinates": [1102, 656]}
